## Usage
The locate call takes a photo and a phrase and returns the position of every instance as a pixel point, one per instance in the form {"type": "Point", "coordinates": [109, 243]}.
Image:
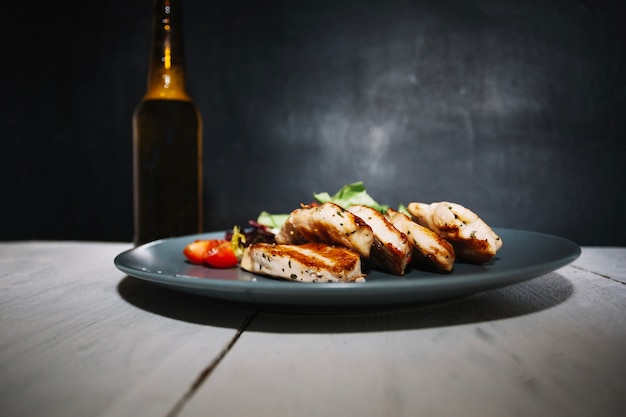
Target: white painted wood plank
{"type": "Point", "coordinates": [78, 338]}
{"type": "Point", "coordinates": [552, 346]}
{"type": "Point", "coordinates": [609, 262]}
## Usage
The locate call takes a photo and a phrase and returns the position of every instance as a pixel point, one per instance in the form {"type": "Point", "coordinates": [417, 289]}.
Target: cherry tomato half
{"type": "Point", "coordinates": [195, 251]}
{"type": "Point", "coordinates": [221, 255]}
{"type": "Point", "coordinates": [216, 253]}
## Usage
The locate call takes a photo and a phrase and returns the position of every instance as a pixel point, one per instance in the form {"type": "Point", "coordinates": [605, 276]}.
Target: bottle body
{"type": "Point", "coordinates": [167, 139]}
{"type": "Point", "coordinates": [167, 169]}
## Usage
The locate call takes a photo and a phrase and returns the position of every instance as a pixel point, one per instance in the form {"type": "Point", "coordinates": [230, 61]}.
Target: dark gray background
{"type": "Point", "coordinates": [512, 108]}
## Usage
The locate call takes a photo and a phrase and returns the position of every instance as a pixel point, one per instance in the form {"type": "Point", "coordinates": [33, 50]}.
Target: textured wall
{"type": "Point", "coordinates": [513, 109]}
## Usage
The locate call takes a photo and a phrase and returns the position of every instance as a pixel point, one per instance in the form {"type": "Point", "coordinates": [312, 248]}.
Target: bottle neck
{"type": "Point", "coordinates": [166, 72]}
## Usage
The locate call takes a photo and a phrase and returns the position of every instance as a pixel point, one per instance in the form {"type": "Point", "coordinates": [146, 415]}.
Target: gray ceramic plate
{"type": "Point", "coordinates": [524, 255]}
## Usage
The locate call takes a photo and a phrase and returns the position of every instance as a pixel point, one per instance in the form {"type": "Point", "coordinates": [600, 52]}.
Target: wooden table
{"type": "Point", "coordinates": [79, 338]}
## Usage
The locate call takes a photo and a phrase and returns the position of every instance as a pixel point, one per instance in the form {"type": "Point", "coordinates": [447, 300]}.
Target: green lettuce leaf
{"type": "Point", "coordinates": [350, 195]}
{"type": "Point", "coordinates": [273, 221]}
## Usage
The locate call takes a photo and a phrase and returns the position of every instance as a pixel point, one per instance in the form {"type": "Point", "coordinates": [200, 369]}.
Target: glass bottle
{"type": "Point", "coordinates": [167, 139]}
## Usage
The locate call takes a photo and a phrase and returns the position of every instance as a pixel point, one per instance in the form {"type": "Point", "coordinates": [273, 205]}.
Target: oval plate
{"type": "Point", "coordinates": [523, 256]}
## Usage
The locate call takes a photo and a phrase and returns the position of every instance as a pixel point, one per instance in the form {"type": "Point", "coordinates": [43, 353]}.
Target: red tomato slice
{"type": "Point", "coordinates": [195, 251]}
{"type": "Point", "coordinates": [216, 253]}
{"type": "Point", "coordinates": [221, 255]}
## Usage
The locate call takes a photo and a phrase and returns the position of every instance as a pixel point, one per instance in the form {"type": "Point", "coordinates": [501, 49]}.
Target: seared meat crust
{"type": "Point", "coordinates": [328, 223]}
{"type": "Point", "coordinates": [310, 262]}
{"type": "Point", "coordinates": [391, 250]}
{"type": "Point", "coordinates": [473, 240]}
{"type": "Point", "coordinates": [430, 251]}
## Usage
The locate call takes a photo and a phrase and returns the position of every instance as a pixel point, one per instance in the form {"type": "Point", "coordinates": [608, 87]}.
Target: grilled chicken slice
{"type": "Point", "coordinates": [391, 250]}
{"type": "Point", "coordinates": [473, 240]}
{"type": "Point", "coordinates": [310, 262]}
{"type": "Point", "coordinates": [327, 223]}
{"type": "Point", "coordinates": [430, 251]}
